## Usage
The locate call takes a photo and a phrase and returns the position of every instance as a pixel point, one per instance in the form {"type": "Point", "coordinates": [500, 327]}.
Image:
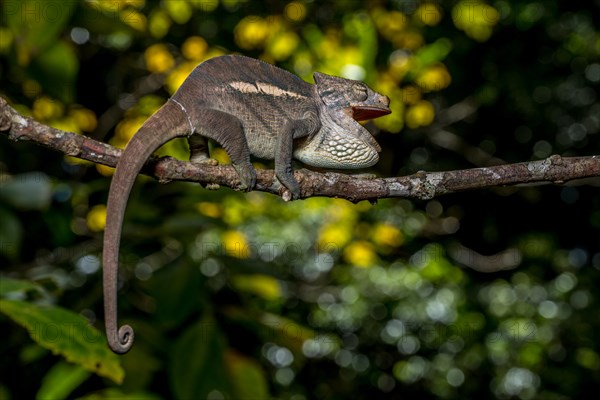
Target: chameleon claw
{"type": "Point", "coordinates": [287, 196]}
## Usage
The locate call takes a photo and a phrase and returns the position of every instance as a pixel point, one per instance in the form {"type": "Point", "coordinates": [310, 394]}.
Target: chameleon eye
{"type": "Point", "coordinates": [359, 93]}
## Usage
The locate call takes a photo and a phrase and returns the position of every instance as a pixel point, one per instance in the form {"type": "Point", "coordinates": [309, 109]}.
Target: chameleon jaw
{"type": "Point", "coordinates": [363, 113]}
{"type": "Point", "coordinates": [375, 106]}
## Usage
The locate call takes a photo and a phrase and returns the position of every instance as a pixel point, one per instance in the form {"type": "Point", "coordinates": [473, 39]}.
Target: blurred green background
{"type": "Point", "coordinates": [485, 294]}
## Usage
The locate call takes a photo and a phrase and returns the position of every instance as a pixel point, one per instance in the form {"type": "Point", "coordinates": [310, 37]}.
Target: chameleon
{"type": "Point", "coordinates": [250, 108]}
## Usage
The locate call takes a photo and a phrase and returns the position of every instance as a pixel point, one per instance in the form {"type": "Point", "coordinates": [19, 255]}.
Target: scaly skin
{"type": "Point", "coordinates": [250, 108]}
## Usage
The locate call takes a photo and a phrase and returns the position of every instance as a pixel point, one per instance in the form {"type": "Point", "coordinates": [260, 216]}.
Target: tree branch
{"type": "Point", "coordinates": [422, 185]}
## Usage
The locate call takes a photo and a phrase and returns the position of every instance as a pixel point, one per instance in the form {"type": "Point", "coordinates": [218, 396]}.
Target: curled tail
{"type": "Point", "coordinates": [169, 122]}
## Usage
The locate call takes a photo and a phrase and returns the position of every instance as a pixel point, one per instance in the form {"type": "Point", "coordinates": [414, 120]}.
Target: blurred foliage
{"type": "Point", "coordinates": [486, 294]}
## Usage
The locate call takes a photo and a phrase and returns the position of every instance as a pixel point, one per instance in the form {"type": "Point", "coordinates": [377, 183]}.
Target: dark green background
{"type": "Point", "coordinates": [528, 330]}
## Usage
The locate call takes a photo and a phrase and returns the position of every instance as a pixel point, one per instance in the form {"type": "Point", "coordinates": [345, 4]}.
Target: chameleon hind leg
{"type": "Point", "coordinates": [199, 151]}
{"type": "Point", "coordinates": [228, 131]}
{"type": "Point", "coordinates": [199, 155]}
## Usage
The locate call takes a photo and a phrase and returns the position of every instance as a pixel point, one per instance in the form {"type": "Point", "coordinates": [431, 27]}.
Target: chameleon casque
{"type": "Point", "coordinates": [249, 107]}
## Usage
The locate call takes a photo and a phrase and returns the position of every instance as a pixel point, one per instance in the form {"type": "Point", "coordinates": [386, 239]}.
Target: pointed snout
{"type": "Point", "coordinates": [376, 106]}
{"type": "Point", "coordinates": [383, 100]}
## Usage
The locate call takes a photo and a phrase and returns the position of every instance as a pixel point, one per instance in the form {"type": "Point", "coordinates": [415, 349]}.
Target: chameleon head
{"type": "Point", "coordinates": [341, 142]}
{"type": "Point", "coordinates": [352, 97]}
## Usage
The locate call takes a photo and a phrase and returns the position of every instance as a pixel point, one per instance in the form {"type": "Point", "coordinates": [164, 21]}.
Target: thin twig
{"type": "Point", "coordinates": [422, 185]}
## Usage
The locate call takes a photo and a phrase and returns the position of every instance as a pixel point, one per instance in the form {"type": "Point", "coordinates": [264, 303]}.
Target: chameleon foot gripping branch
{"type": "Point", "coordinates": [250, 108]}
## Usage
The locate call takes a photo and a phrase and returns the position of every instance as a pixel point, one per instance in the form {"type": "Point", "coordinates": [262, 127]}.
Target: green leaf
{"type": "Point", "coordinates": [429, 55]}
{"type": "Point", "coordinates": [116, 394]}
{"type": "Point", "coordinates": [186, 282]}
{"type": "Point", "coordinates": [278, 329]}
{"type": "Point", "coordinates": [61, 380]}
{"type": "Point", "coordinates": [248, 378]}
{"type": "Point", "coordinates": [56, 70]}
{"type": "Point", "coordinates": [102, 21]}
{"type": "Point", "coordinates": [141, 368]}
{"type": "Point", "coordinates": [434, 52]}
{"type": "Point", "coordinates": [11, 234]}
{"type": "Point", "coordinates": [360, 27]}
{"type": "Point", "coordinates": [4, 393]}
{"type": "Point", "coordinates": [286, 332]}
{"type": "Point", "coordinates": [68, 334]}
{"type": "Point", "coordinates": [36, 24]}
{"type": "Point", "coordinates": [264, 286]}
{"type": "Point", "coordinates": [197, 365]}
{"type": "Point", "coordinates": [10, 285]}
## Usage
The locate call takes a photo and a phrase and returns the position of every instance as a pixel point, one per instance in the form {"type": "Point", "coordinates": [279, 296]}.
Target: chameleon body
{"type": "Point", "coordinates": [249, 107]}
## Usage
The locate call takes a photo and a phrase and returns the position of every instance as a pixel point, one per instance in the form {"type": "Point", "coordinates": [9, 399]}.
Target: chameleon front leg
{"type": "Point", "coordinates": [283, 165]}
{"type": "Point", "coordinates": [293, 129]}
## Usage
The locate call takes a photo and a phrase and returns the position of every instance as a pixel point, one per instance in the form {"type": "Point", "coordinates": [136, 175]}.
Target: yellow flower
{"type": "Point", "coordinates": [126, 129]}
{"type": "Point", "coordinates": [334, 236]}
{"type": "Point", "coordinates": [235, 244]}
{"type": "Point", "coordinates": [390, 24]}
{"type": "Point", "coordinates": [475, 18]}
{"type": "Point", "coordinates": [251, 32]}
{"type": "Point", "coordinates": [429, 13]}
{"type": "Point", "coordinates": [31, 88]}
{"type": "Point", "coordinates": [360, 254]}
{"type": "Point", "coordinates": [194, 48]}
{"type": "Point", "coordinates": [205, 5]}
{"type": "Point", "coordinates": [411, 94]}
{"type": "Point", "coordinates": [65, 124]}
{"type": "Point", "coordinates": [295, 11]}
{"type": "Point", "coordinates": [387, 235]}
{"type": "Point", "coordinates": [159, 23]}
{"type": "Point", "coordinates": [209, 209]}
{"type": "Point", "coordinates": [393, 122]}
{"type": "Point", "coordinates": [264, 286]}
{"type": "Point", "coordinates": [178, 76]}
{"type": "Point", "coordinates": [96, 218]}
{"type": "Point", "coordinates": [434, 78]}
{"type": "Point", "coordinates": [158, 59]}
{"type": "Point", "coordinates": [219, 154]}
{"type": "Point", "coordinates": [409, 40]}
{"type": "Point", "coordinates": [180, 11]}
{"type": "Point", "coordinates": [281, 46]}
{"type": "Point", "coordinates": [421, 114]}
{"type": "Point", "coordinates": [105, 170]}
{"type": "Point", "coordinates": [134, 19]}
{"type": "Point", "coordinates": [77, 161]}
{"type": "Point", "coordinates": [44, 109]}
{"type": "Point", "coordinates": [6, 39]}
{"type": "Point", "coordinates": [84, 118]}
{"type": "Point", "coordinates": [135, 3]}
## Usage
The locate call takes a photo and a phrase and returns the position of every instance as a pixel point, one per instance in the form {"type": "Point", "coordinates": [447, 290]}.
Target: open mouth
{"type": "Point", "coordinates": [365, 113]}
